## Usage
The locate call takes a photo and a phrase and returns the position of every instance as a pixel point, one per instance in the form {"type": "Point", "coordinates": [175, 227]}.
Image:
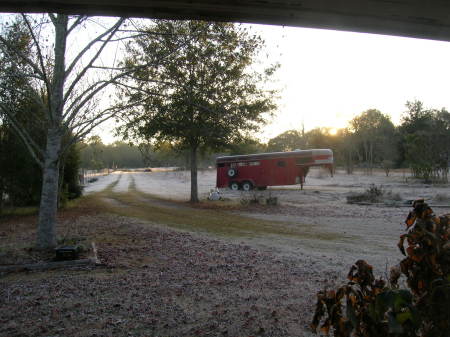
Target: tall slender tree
{"type": "Point", "coordinates": [67, 83]}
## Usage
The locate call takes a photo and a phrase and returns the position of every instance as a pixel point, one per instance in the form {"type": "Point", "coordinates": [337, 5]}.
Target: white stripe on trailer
{"type": "Point", "coordinates": [323, 161]}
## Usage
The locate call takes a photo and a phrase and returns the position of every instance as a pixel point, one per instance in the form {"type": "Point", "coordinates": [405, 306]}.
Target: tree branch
{"type": "Point", "coordinates": [53, 18]}
{"type": "Point", "coordinates": [76, 106]}
{"type": "Point", "coordinates": [111, 33]}
{"type": "Point", "coordinates": [26, 59]}
{"type": "Point", "coordinates": [86, 129]}
{"type": "Point", "coordinates": [125, 38]}
{"type": "Point", "coordinates": [39, 53]}
{"type": "Point", "coordinates": [77, 22]}
{"type": "Point", "coordinates": [144, 90]}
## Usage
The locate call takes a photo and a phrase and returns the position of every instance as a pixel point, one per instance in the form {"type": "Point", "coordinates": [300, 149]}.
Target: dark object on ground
{"type": "Point", "coordinates": [47, 266]}
{"type": "Point", "coordinates": [67, 253]}
{"type": "Point", "coordinates": [148, 170]}
{"type": "Point", "coordinates": [92, 180]}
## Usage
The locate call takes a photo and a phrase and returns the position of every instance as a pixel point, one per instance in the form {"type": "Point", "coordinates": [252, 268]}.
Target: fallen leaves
{"type": "Point", "coordinates": [161, 282]}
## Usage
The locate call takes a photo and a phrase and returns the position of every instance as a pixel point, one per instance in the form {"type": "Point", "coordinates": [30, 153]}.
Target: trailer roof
{"type": "Point", "coordinates": [269, 155]}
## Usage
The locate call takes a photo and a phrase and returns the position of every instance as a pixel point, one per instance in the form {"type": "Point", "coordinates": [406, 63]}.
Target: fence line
{"type": "Point", "coordinates": [85, 175]}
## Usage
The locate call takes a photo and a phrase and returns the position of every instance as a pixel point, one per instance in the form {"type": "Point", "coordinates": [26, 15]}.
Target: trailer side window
{"type": "Point", "coordinates": [281, 163]}
{"type": "Point", "coordinates": [254, 163]}
{"type": "Point", "coordinates": [242, 164]}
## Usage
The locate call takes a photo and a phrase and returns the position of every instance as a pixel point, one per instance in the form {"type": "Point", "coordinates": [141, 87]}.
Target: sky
{"type": "Point", "coordinates": [328, 77]}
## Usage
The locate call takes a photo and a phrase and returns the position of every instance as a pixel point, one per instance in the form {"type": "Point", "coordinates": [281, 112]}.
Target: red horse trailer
{"type": "Point", "coordinates": [270, 169]}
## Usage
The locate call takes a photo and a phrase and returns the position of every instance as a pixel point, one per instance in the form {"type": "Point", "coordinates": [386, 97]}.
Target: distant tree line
{"type": "Point", "coordinates": [421, 142]}
{"type": "Point", "coordinates": [96, 155]}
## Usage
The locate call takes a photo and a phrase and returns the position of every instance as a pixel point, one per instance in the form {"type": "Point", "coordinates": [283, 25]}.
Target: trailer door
{"type": "Point", "coordinates": [282, 172]}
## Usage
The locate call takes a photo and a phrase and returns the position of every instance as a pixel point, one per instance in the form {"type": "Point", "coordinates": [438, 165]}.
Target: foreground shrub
{"type": "Point", "coordinates": [369, 307]}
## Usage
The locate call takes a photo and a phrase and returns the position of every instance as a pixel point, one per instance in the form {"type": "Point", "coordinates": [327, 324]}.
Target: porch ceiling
{"type": "Point", "coordinates": [414, 18]}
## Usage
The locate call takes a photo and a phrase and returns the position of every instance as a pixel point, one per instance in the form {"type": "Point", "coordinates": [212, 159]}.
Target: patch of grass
{"type": "Point", "coordinates": [19, 211]}
{"type": "Point", "coordinates": [199, 218]}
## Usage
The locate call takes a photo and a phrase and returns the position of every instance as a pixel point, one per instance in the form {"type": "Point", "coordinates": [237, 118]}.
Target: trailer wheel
{"type": "Point", "coordinates": [232, 172]}
{"type": "Point", "coordinates": [234, 185]}
{"type": "Point", "coordinates": [247, 186]}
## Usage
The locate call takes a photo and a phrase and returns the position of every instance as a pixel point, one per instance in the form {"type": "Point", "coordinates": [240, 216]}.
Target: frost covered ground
{"type": "Point", "coordinates": [333, 230]}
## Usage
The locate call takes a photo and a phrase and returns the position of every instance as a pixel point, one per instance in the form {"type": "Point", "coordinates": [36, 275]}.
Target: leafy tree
{"type": "Point", "coordinates": [92, 153]}
{"type": "Point", "coordinates": [20, 175]}
{"type": "Point", "coordinates": [205, 96]}
{"type": "Point", "coordinates": [346, 149]}
{"type": "Point", "coordinates": [248, 145]}
{"type": "Point", "coordinates": [18, 178]}
{"type": "Point", "coordinates": [287, 141]}
{"type": "Point", "coordinates": [375, 134]}
{"type": "Point", "coordinates": [320, 138]}
{"type": "Point", "coordinates": [426, 141]}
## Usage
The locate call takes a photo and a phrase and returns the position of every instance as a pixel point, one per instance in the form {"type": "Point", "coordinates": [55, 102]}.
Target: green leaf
{"type": "Point", "coordinates": [402, 298]}
{"type": "Point", "coordinates": [403, 317]}
{"type": "Point", "coordinates": [394, 325]}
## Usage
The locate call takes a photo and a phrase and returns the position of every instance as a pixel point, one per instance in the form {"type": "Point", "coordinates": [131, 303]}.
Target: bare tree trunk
{"type": "Point", "coordinates": [49, 194]}
{"type": "Point", "coordinates": [61, 199]}
{"type": "Point", "coordinates": [194, 186]}
{"type": "Point", "coordinates": [349, 162]}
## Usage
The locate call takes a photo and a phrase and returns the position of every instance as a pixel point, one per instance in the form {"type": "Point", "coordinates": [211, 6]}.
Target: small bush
{"type": "Point", "coordinates": [372, 194]}
{"type": "Point", "coordinates": [442, 197]}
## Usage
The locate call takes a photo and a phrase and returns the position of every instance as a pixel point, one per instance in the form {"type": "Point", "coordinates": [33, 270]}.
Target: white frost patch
{"type": "Point", "coordinates": [169, 185]}
{"type": "Point", "coordinates": [174, 185]}
{"type": "Point", "coordinates": [102, 183]}
{"type": "Point", "coordinates": [124, 182]}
